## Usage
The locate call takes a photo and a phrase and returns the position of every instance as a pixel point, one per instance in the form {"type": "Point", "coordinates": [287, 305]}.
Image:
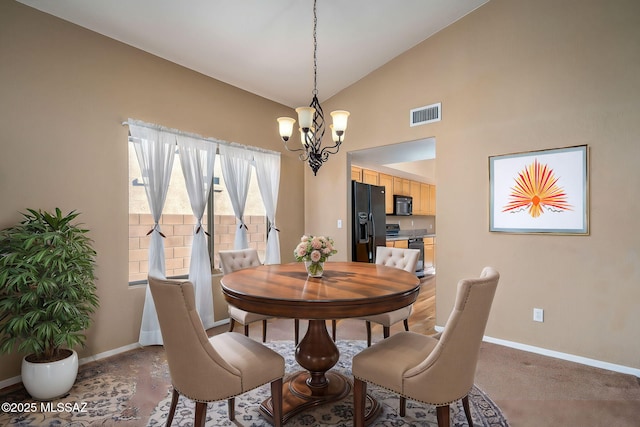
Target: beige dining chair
{"type": "Point", "coordinates": [406, 259]}
{"type": "Point", "coordinates": [210, 369]}
{"type": "Point", "coordinates": [238, 259]}
{"type": "Point", "coordinates": [436, 370]}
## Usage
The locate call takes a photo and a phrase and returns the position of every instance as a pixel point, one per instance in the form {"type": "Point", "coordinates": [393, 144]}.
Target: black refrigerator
{"type": "Point", "coordinates": [369, 221]}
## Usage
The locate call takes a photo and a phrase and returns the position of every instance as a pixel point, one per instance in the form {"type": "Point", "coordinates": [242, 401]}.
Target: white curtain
{"type": "Point", "coordinates": [236, 170]}
{"type": "Point", "coordinates": [197, 159]}
{"type": "Point", "coordinates": [268, 174]}
{"type": "Point", "coordinates": [155, 152]}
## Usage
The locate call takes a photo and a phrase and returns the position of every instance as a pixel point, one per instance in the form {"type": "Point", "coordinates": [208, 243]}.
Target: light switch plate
{"type": "Point", "coordinates": [538, 315]}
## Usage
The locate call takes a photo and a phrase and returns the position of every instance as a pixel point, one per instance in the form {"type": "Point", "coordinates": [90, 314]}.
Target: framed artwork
{"type": "Point", "coordinates": [540, 192]}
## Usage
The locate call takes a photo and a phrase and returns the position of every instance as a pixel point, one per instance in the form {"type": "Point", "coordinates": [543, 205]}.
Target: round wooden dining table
{"type": "Point", "coordinates": [346, 289]}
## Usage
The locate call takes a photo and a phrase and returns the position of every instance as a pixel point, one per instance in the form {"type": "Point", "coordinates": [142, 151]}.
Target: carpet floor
{"type": "Point", "coordinates": [105, 394]}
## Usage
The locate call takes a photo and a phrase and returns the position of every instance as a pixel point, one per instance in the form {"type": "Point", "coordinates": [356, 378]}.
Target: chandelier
{"type": "Point", "coordinates": [311, 121]}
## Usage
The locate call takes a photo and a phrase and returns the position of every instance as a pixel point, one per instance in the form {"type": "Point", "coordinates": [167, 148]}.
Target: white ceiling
{"type": "Point", "coordinates": [266, 46]}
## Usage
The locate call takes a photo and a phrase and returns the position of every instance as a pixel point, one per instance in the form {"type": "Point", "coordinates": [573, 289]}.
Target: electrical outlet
{"type": "Point", "coordinates": [538, 315]}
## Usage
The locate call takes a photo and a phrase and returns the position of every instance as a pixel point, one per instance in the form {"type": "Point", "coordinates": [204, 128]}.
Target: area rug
{"type": "Point", "coordinates": [484, 412]}
{"type": "Point", "coordinates": [105, 393]}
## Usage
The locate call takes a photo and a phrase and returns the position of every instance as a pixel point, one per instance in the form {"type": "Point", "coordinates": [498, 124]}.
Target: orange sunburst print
{"type": "Point", "coordinates": [536, 190]}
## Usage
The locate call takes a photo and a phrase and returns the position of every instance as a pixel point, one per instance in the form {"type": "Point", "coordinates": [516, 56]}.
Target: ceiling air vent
{"type": "Point", "coordinates": [427, 114]}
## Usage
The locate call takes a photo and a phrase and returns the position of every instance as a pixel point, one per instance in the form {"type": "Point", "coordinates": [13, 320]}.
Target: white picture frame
{"type": "Point", "coordinates": [542, 192]}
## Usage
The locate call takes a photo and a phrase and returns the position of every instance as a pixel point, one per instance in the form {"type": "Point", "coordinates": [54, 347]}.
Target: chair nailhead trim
{"type": "Point", "coordinates": [413, 398]}
{"type": "Point", "coordinates": [224, 398]}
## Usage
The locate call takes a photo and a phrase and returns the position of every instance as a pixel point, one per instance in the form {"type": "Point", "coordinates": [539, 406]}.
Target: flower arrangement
{"type": "Point", "coordinates": [314, 249]}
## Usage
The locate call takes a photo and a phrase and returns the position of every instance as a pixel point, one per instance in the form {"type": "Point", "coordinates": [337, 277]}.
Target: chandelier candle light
{"type": "Point", "coordinates": [311, 121]}
{"type": "Point", "coordinates": [314, 251]}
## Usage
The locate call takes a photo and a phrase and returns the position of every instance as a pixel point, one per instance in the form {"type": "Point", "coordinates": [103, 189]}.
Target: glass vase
{"type": "Point", "coordinates": [314, 269]}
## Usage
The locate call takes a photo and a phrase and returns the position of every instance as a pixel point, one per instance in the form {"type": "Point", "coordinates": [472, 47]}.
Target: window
{"type": "Point", "coordinates": [177, 221]}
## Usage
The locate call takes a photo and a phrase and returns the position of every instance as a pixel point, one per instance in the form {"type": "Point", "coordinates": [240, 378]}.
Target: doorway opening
{"type": "Point", "coordinates": [407, 169]}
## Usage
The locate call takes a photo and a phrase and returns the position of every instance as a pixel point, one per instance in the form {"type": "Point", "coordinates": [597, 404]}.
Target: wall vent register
{"type": "Point", "coordinates": [427, 114]}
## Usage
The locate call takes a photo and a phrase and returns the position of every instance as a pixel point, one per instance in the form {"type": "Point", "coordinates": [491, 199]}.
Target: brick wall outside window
{"type": "Point", "coordinates": [178, 230]}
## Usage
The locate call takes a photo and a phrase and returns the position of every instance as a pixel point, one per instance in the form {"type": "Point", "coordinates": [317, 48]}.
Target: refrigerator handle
{"type": "Point", "coordinates": [372, 238]}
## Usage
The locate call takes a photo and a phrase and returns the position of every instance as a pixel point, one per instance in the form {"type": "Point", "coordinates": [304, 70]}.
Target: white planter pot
{"type": "Point", "coordinates": [47, 381]}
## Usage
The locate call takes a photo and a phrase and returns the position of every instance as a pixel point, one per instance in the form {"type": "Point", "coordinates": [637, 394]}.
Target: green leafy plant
{"type": "Point", "coordinates": [47, 289]}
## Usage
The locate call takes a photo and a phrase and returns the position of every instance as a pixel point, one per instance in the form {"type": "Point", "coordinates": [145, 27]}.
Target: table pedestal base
{"type": "Point", "coordinates": [298, 396]}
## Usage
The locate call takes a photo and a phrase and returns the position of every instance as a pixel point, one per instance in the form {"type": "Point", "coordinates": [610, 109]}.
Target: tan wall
{"type": "Point", "coordinates": [518, 76]}
{"type": "Point", "coordinates": [65, 92]}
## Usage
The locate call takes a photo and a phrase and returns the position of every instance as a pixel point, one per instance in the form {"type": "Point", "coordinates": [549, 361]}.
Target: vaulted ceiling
{"type": "Point", "coordinates": [266, 46]}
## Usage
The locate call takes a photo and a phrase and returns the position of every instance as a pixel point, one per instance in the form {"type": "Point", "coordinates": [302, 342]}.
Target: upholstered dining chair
{"type": "Point", "coordinates": [436, 370]}
{"type": "Point", "coordinates": [406, 259]}
{"type": "Point", "coordinates": [210, 369]}
{"type": "Point", "coordinates": [238, 259]}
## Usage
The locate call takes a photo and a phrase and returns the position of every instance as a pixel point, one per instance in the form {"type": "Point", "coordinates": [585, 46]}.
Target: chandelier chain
{"type": "Point", "coordinates": [312, 131]}
{"type": "Point", "coordinates": [315, 49]}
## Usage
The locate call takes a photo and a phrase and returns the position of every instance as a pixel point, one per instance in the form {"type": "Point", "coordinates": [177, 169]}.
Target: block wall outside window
{"type": "Point", "coordinates": [178, 230]}
{"type": "Point", "coordinates": [177, 222]}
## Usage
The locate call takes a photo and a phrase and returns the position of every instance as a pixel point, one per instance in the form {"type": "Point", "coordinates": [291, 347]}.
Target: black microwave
{"type": "Point", "coordinates": [402, 205]}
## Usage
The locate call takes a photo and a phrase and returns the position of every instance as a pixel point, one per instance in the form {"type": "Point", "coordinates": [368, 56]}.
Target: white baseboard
{"type": "Point", "coordinates": [15, 380]}
{"type": "Point", "coordinates": [559, 355]}
{"type": "Point", "coordinates": [10, 381]}
{"type": "Point", "coordinates": [108, 353]}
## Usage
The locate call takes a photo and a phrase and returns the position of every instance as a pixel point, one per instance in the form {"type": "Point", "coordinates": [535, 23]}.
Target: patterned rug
{"type": "Point", "coordinates": [484, 412]}
{"type": "Point", "coordinates": [106, 393]}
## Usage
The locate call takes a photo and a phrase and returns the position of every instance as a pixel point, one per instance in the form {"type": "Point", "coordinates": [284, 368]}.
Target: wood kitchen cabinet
{"type": "Point", "coordinates": [406, 187]}
{"type": "Point", "coordinates": [425, 191]}
{"type": "Point", "coordinates": [404, 244]}
{"type": "Point", "coordinates": [369, 177]}
{"type": "Point", "coordinates": [397, 185]}
{"type": "Point", "coordinates": [424, 198]}
{"type": "Point", "coordinates": [356, 173]}
{"type": "Point", "coordinates": [401, 186]}
{"type": "Point", "coordinates": [427, 200]}
{"type": "Point", "coordinates": [414, 192]}
{"type": "Point", "coordinates": [364, 175]}
{"type": "Point", "coordinates": [429, 252]}
{"type": "Point", "coordinates": [432, 200]}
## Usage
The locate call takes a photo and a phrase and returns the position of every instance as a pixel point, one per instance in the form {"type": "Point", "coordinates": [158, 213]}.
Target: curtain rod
{"type": "Point", "coordinates": [196, 136]}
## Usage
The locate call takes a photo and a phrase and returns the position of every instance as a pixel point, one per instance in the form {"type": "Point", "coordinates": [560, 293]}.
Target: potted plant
{"type": "Point", "coordinates": [47, 296]}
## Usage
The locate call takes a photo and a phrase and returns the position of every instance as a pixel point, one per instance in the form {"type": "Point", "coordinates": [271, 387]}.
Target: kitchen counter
{"type": "Point", "coordinates": [410, 235]}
